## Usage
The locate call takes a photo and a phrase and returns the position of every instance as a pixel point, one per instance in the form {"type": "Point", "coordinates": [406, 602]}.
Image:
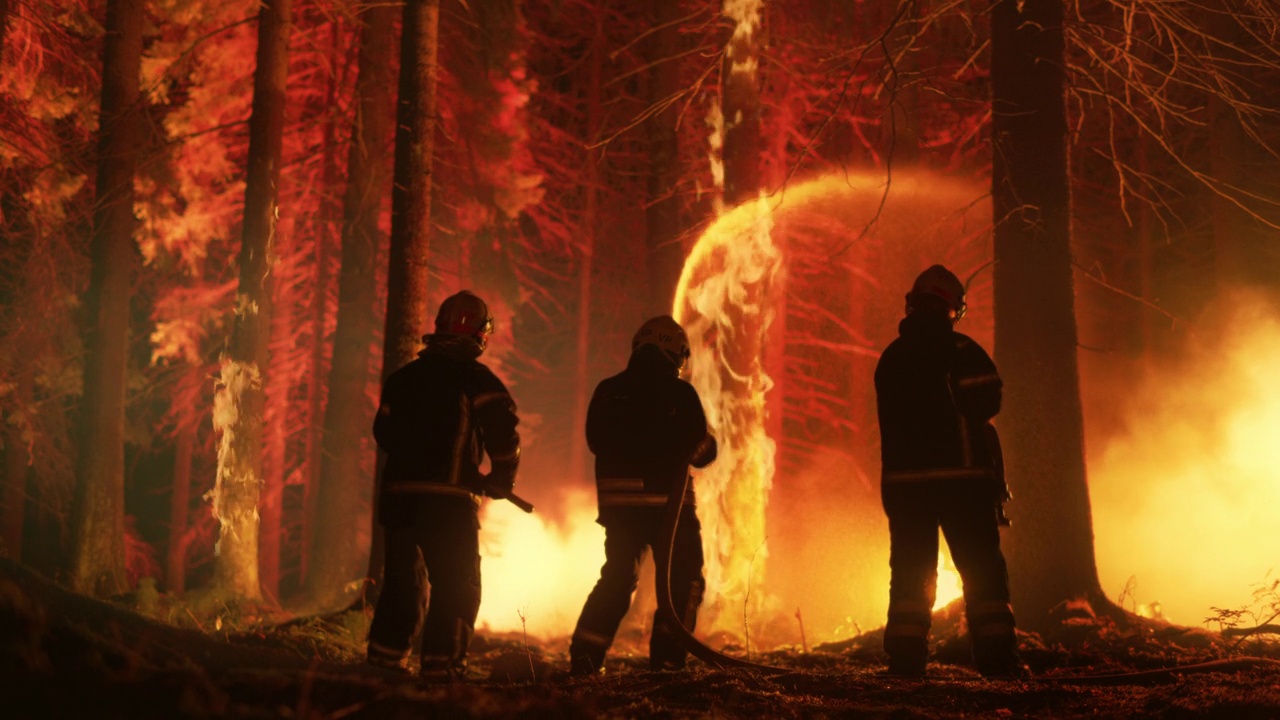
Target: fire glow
{"type": "Point", "coordinates": [1185, 500]}
{"type": "Point", "coordinates": [1182, 502]}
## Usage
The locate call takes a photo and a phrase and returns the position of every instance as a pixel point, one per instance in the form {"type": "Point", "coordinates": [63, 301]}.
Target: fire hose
{"type": "Point", "coordinates": [666, 608]}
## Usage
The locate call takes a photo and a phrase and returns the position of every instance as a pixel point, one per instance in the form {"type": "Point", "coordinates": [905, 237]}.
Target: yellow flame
{"type": "Point", "coordinates": [538, 573]}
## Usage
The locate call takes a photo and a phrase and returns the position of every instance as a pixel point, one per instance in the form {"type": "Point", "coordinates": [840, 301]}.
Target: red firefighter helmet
{"type": "Point", "coordinates": [667, 335]}
{"type": "Point", "coordinates": [467, 315]}
{"type": "Point", "coordinates": [942, 284]}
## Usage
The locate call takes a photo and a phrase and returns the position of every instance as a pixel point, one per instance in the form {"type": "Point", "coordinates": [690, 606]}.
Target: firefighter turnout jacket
{"type": "Point", "coordinates": [936, 392]}
{"type": "Point", "coordinates": [438, 416]}
{"type": "Point", "coordinates": [646, 427]}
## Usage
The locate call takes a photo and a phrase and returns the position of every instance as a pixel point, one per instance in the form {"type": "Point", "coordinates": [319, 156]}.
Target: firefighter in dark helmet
{"type": "Point", "coordinates": [936, 393]}
{"type": "Point", "coordinates": [438, 416]}
{"type": "Point", "coordinates": [646, 427]}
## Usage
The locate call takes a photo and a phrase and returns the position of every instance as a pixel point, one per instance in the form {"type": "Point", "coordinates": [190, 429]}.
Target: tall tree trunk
{"type": "Point", "coordinates": [662, 214]}
{"type": "Point", "coordinates": [333, 555]}
{"type": "Point", "coordinates": [238, 405]}
{"type": "Point", "coordinates": [588, 227]}
{"type": "Point", "coordinates": [180, 511]}
{"type": "Point", "coordinates": [410, 204]}
{"type": "Point", "coordinates": [1051, 542]}
{"type": "Point", "coordinates": [331, 217]}
{"type": "Point", "coordinates": [97, 552]}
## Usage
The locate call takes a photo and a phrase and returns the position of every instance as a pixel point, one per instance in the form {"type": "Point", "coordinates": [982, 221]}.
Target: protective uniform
{"type": "Point", "coordinates": [936, 392]}
{"type": "Point", "coordinates": [438, 416]}
{"type": "Point", "coordinates": [646, 427]}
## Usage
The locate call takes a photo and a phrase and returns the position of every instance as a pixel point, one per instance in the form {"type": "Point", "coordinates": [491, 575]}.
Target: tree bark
{"type": "Point", "coordinates": [97, 553]}
{"type": "Point", "coordinates": [238, 405]}
{"type": "Point", "coordinates": [411, 189]}
{"type": "Point", "coordinates": [180, 511]}
{"type": "Point", "coordinates": [1051, 553]}
{"type": "Point", "coordinates": [331, 216]}
{"type": "Point", "coordinates": [334, 553]}
{"type": "Point", "coordinates": [410, 206]}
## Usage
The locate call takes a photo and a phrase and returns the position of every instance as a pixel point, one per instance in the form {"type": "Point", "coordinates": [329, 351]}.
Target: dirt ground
{"type": "Point", "coordinates": [62, 655]}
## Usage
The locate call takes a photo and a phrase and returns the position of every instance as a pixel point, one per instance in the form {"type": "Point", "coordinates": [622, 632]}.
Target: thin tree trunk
{"type": "Point", "coordinates": [180, 511]}
{"type": "Point", "coordinates": [662, 215]}
{"type": "Point", "coordinates": [97, 553]}
{"type": "Point", "coordinates": [331, 217]}
{"type": "Point", "coordinates": [406, 318]}
{"type": "Point", "coordinates": [348, 414]}
{"type": "Point", "coordinates": [588, 226]}
{"type": "Point", "coordinates": [238, 405]}
{"type": "Point", "coordinates": [1051, 542]}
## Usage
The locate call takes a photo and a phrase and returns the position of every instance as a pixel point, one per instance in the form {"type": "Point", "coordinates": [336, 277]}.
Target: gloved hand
{"type": "Point", "coordinates": [497, 485]}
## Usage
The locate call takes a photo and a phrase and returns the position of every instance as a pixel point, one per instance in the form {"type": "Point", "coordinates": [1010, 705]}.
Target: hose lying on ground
{"type": "Point", "coordinates": [662, 573]}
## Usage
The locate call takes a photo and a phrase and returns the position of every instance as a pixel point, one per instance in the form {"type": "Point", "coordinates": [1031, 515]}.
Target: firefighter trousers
{"type": "Point", "coordinates": [629, 535]}
{"type": "Point", "coordinates": [967, 517]}
{"type": "Point", "coordinates": [437, 557]}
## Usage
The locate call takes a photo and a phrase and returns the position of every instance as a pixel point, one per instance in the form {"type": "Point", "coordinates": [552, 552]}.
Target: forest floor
{"type": "Point", "coordinates": [63, 655]}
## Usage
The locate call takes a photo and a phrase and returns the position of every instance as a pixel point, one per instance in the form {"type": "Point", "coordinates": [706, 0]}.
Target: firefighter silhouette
{"type": "Point", "coordinates": [646, 427]}
{"type": "Point", "coordinates": [438, 416]}
{"type": "Point", "coordinates": [936, 393]}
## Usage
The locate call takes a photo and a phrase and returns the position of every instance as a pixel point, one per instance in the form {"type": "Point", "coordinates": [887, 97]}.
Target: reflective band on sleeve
{"type": "Point", "coordinates": [897, 476]}
{"type": "Point", "coordinates": [640, 499]}
{"type": "Point", "coordinates": [485, 398]}
{"type": "Point", "coordinates": [426, 488]}
{"type": "Point", "coordinates": [977, 380]}
{"type": "Point", "coordinates": [462, 439]}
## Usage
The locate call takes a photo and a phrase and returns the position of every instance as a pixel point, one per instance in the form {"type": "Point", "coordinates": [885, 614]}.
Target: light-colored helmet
{"type": "Point", "coordinates": [466, 315]}
{"type": "Point", "coordinates": [667, 335]}
{"type": "Point", "coordinates": [942, 284]}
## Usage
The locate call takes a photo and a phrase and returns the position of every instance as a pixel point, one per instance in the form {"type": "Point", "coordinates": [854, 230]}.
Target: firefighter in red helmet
{"type": "Point", "coordinates": [646, 427]}
{"type": "Point", "coordinates": [936, 393]}
{"type": "Point", "coordinates": [439, 415]}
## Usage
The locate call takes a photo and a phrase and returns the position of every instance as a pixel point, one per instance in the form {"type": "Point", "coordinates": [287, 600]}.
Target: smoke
{"type": "Point", "coordinates": [1185, 491]}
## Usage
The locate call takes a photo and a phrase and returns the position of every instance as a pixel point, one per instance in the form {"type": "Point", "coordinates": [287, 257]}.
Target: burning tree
{"type": "Point", "coordinates": [238, 405]}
